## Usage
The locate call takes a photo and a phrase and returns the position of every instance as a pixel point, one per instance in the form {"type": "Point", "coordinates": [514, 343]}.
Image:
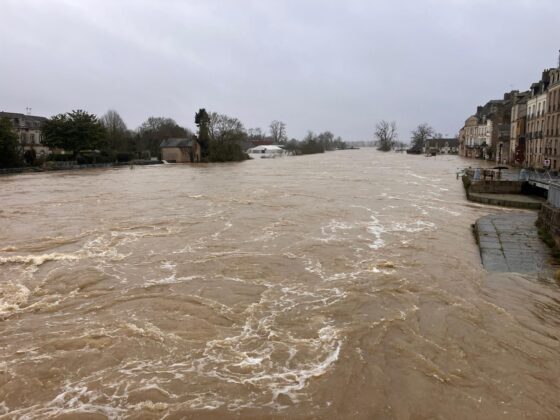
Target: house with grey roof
{"type": "Point", "coordinates": [442, 146]}
{"type": "Point", "coordinates": [180, 150]}
{"type": "Point", "coordinates": [29, 131]}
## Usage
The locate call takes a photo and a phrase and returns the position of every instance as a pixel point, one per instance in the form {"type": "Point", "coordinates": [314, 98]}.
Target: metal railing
{"type": "Point", "coordinates": [554, 194]}
{"type": "Point", "coordinates": [543, 177]}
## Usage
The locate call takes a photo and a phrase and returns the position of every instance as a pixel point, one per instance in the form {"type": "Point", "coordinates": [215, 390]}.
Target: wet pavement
{"type": "Point", "coordinates": [509, 242]}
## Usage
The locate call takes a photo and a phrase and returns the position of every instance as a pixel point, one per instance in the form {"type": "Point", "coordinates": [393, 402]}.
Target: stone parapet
{"type": "Point", "coordinates": [549, 219]}
{"type": "Point", "coordinates": [496, 187]}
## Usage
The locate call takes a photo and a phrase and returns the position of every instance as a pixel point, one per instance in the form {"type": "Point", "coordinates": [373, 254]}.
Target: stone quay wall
{"type": "Point", "coordinates": [496, 187]}
{"type": "Point", "coordinates": [549, 219]}
{"type": "Point", "coordinates": [493, 187]}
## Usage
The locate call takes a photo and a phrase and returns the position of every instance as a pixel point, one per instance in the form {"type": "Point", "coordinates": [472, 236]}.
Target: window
{"type": "Point", "coordinates": [32, 138]}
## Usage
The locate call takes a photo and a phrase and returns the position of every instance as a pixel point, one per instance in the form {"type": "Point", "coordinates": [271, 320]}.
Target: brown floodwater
{"type": "Point", "coordinates": [341, 285]}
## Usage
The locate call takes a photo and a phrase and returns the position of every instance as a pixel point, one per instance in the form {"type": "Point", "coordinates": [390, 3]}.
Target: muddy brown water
{"type": "Point", "coordinates": [343, 285]}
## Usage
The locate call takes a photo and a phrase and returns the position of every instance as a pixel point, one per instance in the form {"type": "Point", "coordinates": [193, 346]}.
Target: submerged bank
{"type": "Point", "coordinates": [58, 167]}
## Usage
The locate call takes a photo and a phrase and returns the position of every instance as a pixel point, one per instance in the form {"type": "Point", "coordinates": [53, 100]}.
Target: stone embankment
{"type": "Point", "coordinates": [510, 243]}
{"type": "Point", "coordinates": [502, 193]}
{"type": "Point", "coordinates": [549, 221]}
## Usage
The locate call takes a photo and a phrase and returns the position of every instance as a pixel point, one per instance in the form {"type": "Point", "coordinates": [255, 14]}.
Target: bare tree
{"type": "Point", "coordinates": [421, 135]}
{"type": "Point", "coordinates": [223, 128]}
{"type": "Point", "coordinates": [255, 133]}
{"type": "Point", "coordinates": [327, 140]}
{"type": "Point", "coordinates": [115, 127]}
{"type": "Point", "coordinates": [155, 129]}
{"type": "Point", "coordinates": [278, 132]}
{"type": "Point", "coordinates": [226, 135]}
{"type": "Point", "coordinates": [385, 135]}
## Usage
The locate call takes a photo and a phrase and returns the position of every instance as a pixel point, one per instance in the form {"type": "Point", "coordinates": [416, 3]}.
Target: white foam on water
{"type": "Point", "coordinates": [12, 297]}
{"type": "Point", "coordinates": [299, 379]}
{"type": "Point", "coordinates": [38, 260]}
{"type": "Point", "coordinates": [421, 208]}
{"type": "Point", "coordinates": [227, 226]}
{"type": "Point", "coordinates": [171, 279]}
{"type": "Point", "coordinates": [330, 231]}
{"type": "Point", "coordinates": [150, 406]}
{"type": "Point", "coordinates": [376, 229]}
{"type": "Point", "coordinates": [168, 265]}
{"type": "Point", "coordinates": [416, 175]}
{"type": "Point", "coordinates": [413, 227]}
{"type": "Point", "coordinates": [74, 399]}
{"type": "Point", "coordinates": [263, 352]}
{"type": "Point", "coordinates": [4, 409]}
{"type": "Point", "coordinates": [424, 209]}
{"type": "Point", "coordinates": [335, 225]}
{"type": "Point", "coordinates": [10, 248]}
{"type": "Point", "coordinates": [150, 331]}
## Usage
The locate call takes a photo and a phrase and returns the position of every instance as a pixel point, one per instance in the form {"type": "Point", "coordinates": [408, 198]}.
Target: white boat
{"type": "Point", "coordinates": [268, 151]}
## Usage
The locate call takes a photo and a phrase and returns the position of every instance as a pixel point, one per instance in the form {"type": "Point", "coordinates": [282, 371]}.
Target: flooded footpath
{"type": "Point", "coordinates": [340, 285]}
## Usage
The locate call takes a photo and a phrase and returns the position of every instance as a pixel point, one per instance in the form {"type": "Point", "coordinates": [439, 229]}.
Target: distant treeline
{"type": "Point", "coordinates": [315, 143]}
{"type": "Point", "coordinates": [85, 138]}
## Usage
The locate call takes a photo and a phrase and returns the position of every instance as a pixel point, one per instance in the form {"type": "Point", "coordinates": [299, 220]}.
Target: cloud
{"type": "Point", "coordinates": [318, 65]}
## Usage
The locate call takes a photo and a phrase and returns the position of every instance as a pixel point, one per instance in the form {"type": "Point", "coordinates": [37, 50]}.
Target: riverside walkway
{"type": "Point", "coordinates": [510, 243]}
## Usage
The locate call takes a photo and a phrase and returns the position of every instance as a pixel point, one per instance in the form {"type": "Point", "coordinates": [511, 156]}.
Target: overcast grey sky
{"type": "Point", "coordinates": [314, 64]}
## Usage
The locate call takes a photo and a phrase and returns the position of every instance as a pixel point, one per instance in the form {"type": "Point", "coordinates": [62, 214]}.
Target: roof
{"type": "Point", "coordinates": [451, 142]}
{"type": "Point", "coordinates": [268, 147]}
{"type": "Point", "coordinates": [23, 120]}
{"type": "Point", "coordinates": [177, 142]}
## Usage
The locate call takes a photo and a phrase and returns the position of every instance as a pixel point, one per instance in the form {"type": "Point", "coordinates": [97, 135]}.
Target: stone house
{"type": "Point", "coordinates": [449, 146]}
{"type": "Point", "coordinates": [535, 125]}
{"type": "Point", "coordinates": [29, 131]}
{"type": "Point", "coordinates": [486, 134]}
{"type": "Point", "coordinates": [518, 124]}
{"type": "Point", "coordinates": [551, 129]}
{"type": "Point", "coordinates": [180, 150]}
{"type": "Point", "coordinates": [474, 137]}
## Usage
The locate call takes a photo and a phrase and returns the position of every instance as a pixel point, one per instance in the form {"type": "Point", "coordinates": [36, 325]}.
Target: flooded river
{"type": "Point", "coordinates": [343, 285]}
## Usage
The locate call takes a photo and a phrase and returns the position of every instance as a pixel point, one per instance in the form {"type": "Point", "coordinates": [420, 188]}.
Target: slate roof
{"type": "Point", "coordinates": [177, 142]}
{"type": "Point", "coordinates": [22, 120]}
{"type": "Point", "coordinates": [451, 142]}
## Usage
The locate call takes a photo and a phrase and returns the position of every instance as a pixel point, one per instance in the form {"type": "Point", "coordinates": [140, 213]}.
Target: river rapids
{"type": "Point", "coordinates": [340, 285]}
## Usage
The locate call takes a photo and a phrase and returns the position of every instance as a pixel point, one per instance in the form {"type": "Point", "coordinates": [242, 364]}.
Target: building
{"type": "Point", "coordinates": [551, 146]}
{"type": "Point", "coordinates": [442, 146]}
{"type": "Point", "coordinates": [474, 137]}
{"type": "Point", "coordinates": [180, 150]}
{"type": "Point", "coordinates": [29, 131]}
{"type": "Point", "coordinates": [517, 128]}
{"type": "Point", "coordinates": [498, 113]}
{"type": "Point", "coordinates": [535, 125]}
{"type": "Point", "coordinates": [486, 134]}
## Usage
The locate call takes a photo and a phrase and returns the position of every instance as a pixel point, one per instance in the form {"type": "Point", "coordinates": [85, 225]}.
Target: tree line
{"type": "Point", "coordinates": [386, 136]}
{"type": "Point", "coordinates": [90, 139]}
